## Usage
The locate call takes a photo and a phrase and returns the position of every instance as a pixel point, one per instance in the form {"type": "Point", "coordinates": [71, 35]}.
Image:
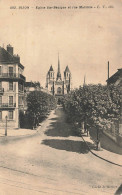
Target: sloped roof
{"type": "Point", "coordinates": [67, 69]}
{"type": "Point", "coordinates": [32, 84]}
{"type": "Point", "coordinates": [7, 58]}
{"type": "Point", "coordinates": [115, 77]}
{"type": "Point", "coordinates": [51, 68]}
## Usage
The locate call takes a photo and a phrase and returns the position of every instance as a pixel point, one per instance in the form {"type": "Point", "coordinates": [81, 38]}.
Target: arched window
{"type": "Point", "coordinates": [59, 90]}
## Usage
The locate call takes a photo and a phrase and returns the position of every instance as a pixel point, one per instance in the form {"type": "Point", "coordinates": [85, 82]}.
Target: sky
{"type": "Point", "coordinates": [86, 39]}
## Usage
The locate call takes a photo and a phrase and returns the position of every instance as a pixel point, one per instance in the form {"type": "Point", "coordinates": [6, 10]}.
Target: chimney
{"type": "Point", "coordinates": [108, 69]}
{"type": "Point", "coordinates": [17, 58]}
{"type": "Point", "coordinates": [10, 49]}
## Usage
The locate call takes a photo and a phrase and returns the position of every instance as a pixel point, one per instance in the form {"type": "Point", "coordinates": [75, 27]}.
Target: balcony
{"type": "Point", "coordinates": [12, 76]}
{"type": "Point", "coordinates": [1, 91]}
{"type": "Point", "coordinates": [6, 105]}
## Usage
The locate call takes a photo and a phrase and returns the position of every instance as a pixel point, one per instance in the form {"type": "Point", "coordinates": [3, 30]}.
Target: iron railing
{"type": "Point", "coordinates": [7, 105]}
{"type": "Point", "coordinates": [12, 75]}
{"type": "Point", "coordinates": [1, 90]}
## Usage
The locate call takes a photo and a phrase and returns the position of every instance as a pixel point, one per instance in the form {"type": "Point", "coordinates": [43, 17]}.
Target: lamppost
{"type": "Point", "coordinates": [6, 126]}
{"type": "Point", "coordinates": [34, 120]}
{"type": "Point", "coordinates": [98, 140]}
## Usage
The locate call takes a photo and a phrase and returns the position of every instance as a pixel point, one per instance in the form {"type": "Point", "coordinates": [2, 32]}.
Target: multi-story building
{"type": "Point", "coordinates": [116, 80]}
{"type": "Point", "coordinates": [32, 86]}
{"type": "Point", "coordinates": [58, 87]}
{"type": "Point", "coordinates": [11, 87]}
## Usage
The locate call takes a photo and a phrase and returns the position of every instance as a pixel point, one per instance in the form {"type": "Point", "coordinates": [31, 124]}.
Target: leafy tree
{"type": "Point", "coordinates": [95, 105]}
{"type": "Point", "coordinates": [39, 105]}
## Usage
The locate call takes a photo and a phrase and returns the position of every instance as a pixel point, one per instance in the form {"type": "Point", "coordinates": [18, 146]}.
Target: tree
{"type": "Point", "coordinates": [97, 106]}
{"type": "Point", "coordinates": [39, 105]}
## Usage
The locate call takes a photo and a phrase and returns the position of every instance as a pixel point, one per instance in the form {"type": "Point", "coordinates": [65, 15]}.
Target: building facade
{"type": "Point", "coordinates": [58, 86]}
{"type": "Point", "coordinates": [11, 87]}
{"type": "Point", "coordinates": [116, 78]}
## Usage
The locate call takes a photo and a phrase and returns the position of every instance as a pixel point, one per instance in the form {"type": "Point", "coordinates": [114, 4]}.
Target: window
{"type": "Point", "coordinates": [10, 86]}
{"type": "Point", "coordinates": [51, 74]}
{"type": "Point", "coordinates": [0, 100]}
{"type": "Point", "coordinates": [21, 87]}
{"type": "Point", "coordinates": [20, 100]}
{"type": "Point", "coordinates": [11, 115]}
{"type": "Point", "coordinates": [0, 70]}
{"type": "Point", "coordinates": [10, 71]}
{"type": "Point", "coordinates": [0, 115]}
{"type": "Point", "coordinates": [10, 100]}
{"type": "Point", "coordinates": [59, 90]}
{"type": "Point", "coordinates": [0, 85]}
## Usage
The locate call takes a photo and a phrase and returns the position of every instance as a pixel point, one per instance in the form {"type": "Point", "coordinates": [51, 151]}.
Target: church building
{"type": "Point", "coordinates": [58, 86]}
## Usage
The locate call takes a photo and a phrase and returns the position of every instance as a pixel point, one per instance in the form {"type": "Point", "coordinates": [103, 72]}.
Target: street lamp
{"type": "Point", "coordinates": [6, 125]}
{"type": "Point", "coordinates": [98, 140]}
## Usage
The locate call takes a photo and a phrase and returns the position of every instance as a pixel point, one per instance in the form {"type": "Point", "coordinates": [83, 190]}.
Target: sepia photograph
{"type": "Point", "coordinates": [60, 97]}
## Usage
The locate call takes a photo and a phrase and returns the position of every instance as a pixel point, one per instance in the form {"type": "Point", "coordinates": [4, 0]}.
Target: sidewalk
{"type": "Point", "coordinates": [104, 154]}
{"type": "Point", "coordinates": [16, 132]}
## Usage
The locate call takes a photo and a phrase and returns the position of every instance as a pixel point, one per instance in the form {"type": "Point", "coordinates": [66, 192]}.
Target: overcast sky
{"type": "Point", "coordinates": [85, 38]}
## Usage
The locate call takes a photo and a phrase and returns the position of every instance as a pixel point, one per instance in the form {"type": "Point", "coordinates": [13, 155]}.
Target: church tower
{"type": "Point", "coordinates": [51, 74]}
{"type": "Point", "coordinates": [50, 80]}
{"type": "Point", "coordinates": [67, 79]}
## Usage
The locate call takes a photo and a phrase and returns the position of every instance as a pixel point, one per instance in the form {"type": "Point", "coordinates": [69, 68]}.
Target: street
{"type": "Point", "coordinates": [54, 161]}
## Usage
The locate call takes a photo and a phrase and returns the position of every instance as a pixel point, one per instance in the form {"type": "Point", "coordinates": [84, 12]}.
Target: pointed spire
{"type": "Point", "coordinates": [108, 69]}
{"type": "Point", "coordinates": [51, 68]}
{"type": "Point", "coordinates": [67, 69]}
{"type": "Point", "coordinates": [84, 80]}
{"type": "Point", "coordinates": [58, 64]}
{"type": "Point", "coordinates": [58, 73]}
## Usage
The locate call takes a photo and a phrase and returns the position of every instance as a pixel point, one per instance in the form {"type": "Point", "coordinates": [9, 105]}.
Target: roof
{"type": "Point", "coordinates": [31, 84]}
{"type": "Point", "coordinates": [67, 69]}
{"type": "Point", "coordinates": [115, 77]}
{"type": "Point", "coordinates": [7, 58]}
{"type": "Point", "coordinates": [51, 68]}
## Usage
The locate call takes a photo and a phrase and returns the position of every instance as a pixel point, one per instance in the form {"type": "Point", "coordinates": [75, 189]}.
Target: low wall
{"type": "Point", "coordinates": [116, 138]}
{"type": "Point", "coordinates": [119, 140]}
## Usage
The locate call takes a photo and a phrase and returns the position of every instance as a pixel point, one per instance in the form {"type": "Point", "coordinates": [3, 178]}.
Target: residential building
{"type": "Point", "coordinates": [32, 86]}
{"type": "Point", "coordinates": [115, 78]}
{"type": "Point", "coordinates": [11, 87]}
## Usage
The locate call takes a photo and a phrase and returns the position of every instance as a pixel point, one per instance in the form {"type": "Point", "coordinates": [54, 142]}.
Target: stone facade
{"type": "Point", "coordinates": [58, 87]}
{"type": "Point", "coordinates": [11, 88]}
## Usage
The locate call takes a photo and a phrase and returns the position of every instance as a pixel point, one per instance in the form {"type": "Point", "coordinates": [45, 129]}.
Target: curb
{"type": "Point", "coordinates": [100, 156]}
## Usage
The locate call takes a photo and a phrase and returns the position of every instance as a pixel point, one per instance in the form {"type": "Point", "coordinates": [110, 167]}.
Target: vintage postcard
{"type": "Point", "coordinates": [60, 97]}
